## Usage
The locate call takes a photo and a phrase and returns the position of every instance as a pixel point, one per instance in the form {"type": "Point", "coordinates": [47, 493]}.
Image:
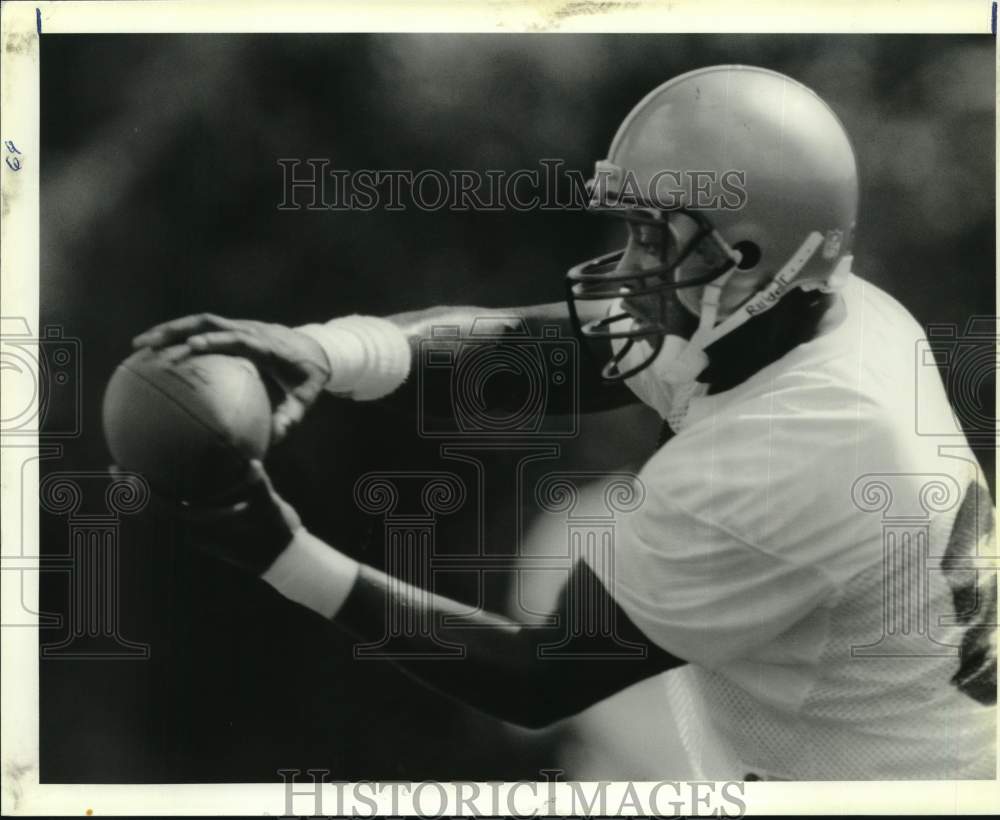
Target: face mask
{"type": "Point", "coordinates": [670, 382]}
{"type": "Point", "coordinates": [657, 385]}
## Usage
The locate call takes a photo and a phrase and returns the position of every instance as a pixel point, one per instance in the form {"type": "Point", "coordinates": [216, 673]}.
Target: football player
{"type": "Point", "coordinates": [756, 569]}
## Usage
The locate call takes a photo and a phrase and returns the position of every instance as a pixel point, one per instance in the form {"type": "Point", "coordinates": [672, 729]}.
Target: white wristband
{"type": "Point", "coordinates": [313, 574]}
{"type": "Point", "coordinates": [369, 356]}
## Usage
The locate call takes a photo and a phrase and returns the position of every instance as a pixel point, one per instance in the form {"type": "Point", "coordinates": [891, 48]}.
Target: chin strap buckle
{"type": "Point", "coordinates": [841, 273]}
{"type": "Point", "coordinates": [837, 279]}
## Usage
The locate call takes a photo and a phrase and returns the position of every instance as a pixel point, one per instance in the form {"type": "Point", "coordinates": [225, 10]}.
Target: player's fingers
{"type": "Point", "coordinates": [259, 483]}
{"type": "Point", "coordinates": [286, 415]}
{"type": "Point", "coordinates": [231, 342]}
{"type": "Point", "coordinates": [177, 330]}
{"type": "Point", "coordinates": [175, 353]}
{"type": "Point", "coordinates": [263, 485]}
{"type": "Point", "coordinates": [308, 391]}
{"type": "Point", "coordinates": [258, 474]}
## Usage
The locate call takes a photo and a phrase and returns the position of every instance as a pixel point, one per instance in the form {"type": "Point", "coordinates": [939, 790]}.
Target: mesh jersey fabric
{"type": "Point", "coordinates": [790, 548]}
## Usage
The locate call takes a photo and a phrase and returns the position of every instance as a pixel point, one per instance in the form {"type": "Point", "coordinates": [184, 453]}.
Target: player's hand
{"type": "Point", "coordinates": [295, 361]}
{"type": "Point", "coordinates": [249, 528]}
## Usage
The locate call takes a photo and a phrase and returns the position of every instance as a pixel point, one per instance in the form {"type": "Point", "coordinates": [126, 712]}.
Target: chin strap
{"type": "Point", "coordinates": [683, 393]}
{"type": "Point", "coordinates": [693, 359]}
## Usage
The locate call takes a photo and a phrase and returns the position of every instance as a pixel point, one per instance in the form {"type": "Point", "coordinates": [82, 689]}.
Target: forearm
{"type": "Point", "coordinates": [531, 324]}
{"type": "Point", "coordinates": [488, 662]}
{"type": "Point", "coordinates": [401, 368]}
{"type": "Point", "coordinates": [482, 659]}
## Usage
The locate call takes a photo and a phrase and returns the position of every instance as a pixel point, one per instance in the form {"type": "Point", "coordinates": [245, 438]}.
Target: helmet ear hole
{"type": "Point", "coordinates": [750, 253]}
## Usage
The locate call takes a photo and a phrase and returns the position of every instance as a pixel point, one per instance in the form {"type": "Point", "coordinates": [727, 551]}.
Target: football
{"type": "Point", "coordinates": [190, 427]}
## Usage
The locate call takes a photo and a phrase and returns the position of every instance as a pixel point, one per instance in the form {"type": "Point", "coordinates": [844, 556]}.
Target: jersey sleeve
{"type": "Point", "coordinates": [744, 529]}
{"type": "Point", "coordinates": [701, 593]}
{"type": "Point", "coordinates": [749, 522]}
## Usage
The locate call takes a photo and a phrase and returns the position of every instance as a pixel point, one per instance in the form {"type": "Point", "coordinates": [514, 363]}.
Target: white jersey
{"type": "Point", "coordinates": [790, 549]}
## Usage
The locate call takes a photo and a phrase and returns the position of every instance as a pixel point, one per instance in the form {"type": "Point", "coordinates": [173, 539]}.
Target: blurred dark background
{"type": "Point", "coordinates": [160, 187]}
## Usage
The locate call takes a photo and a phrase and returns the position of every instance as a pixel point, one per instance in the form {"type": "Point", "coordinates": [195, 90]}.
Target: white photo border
{"type": "Point", "coordinates": [21, 26]}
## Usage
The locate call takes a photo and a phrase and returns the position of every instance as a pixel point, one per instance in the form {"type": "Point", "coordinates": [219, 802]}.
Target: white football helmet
{"type": "Point", "coordinates": [752, 181]}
